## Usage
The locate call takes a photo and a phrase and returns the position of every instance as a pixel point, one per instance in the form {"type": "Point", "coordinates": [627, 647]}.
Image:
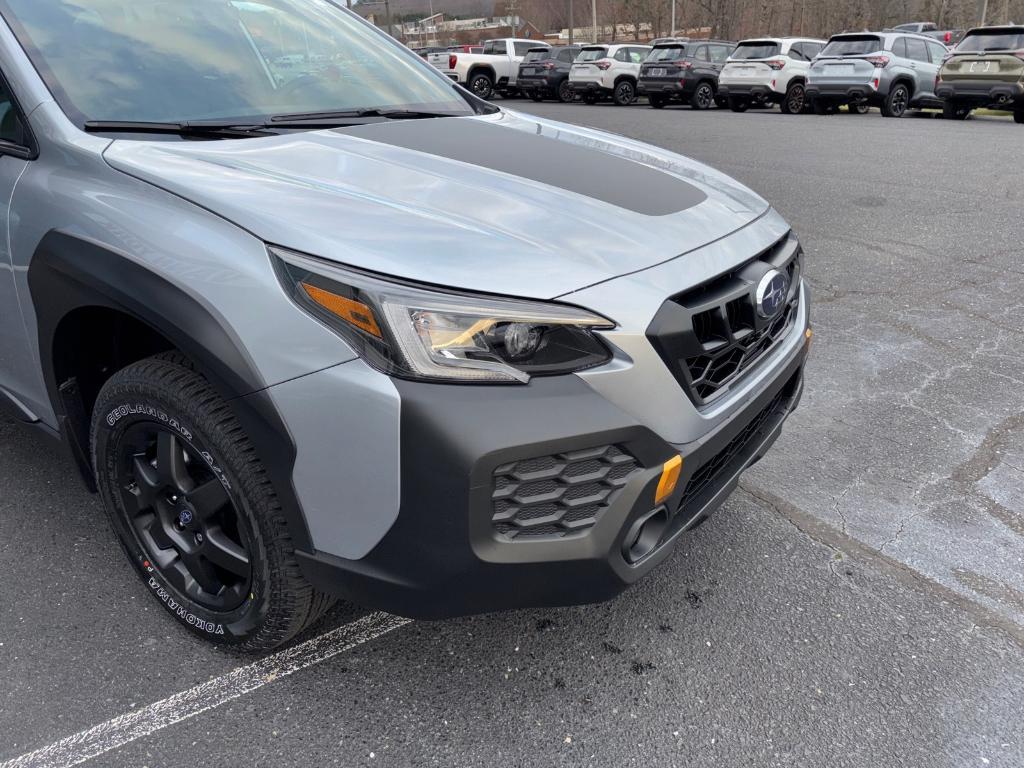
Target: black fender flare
{"type": "Point", "coordinates": [70, 272]}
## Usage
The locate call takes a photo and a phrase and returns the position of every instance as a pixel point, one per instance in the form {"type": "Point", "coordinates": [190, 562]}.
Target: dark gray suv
{"type": "Point", "coordinates": [684, 71]}
{"type": "Point", "coordinates": [894, 71]}
{"type": "Point", "coordinates": [544, 73]}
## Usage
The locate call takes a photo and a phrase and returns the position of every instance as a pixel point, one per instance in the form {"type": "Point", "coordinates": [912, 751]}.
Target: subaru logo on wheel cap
{"type": "Point", "coordinates": [771, 293]}
{"type": "Point", "coordinates": [184, 516]}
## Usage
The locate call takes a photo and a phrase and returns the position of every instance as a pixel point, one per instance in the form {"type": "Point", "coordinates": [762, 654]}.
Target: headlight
{"type": "Point", "coordinates": [413, 332]}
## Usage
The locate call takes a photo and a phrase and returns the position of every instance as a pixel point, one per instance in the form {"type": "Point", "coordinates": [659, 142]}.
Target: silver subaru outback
{"type": "Point", "coordinates": [315, 322]}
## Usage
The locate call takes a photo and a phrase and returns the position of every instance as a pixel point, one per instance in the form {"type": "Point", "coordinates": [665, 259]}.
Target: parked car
{"type": "Point", "coordinates": [894, 71]}
{"type": "Point", "coordinates": [544, 73]}
{"type": "Point", "coordinates": [607, 71]}
{"type": "Point", "coordinates": [279, 404]}
{"type": "Point", "coordinates": [985, 70]}
{"type": "Point", "coordinates": [425, 51]}
{"type": "Point", "coordinates": [769, 71]}
{"type": "Point", "coordinates": [494, 70]}
{"type": "Point", "coordinates": [947, 37]}
{"type": "Point", "coordinates": [684, 71]}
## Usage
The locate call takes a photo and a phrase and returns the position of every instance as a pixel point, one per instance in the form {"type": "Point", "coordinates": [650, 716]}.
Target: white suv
{"type": "Point", "coordinates": [608, 70]}
{"type": "Point", "coordinates": [769, 71]}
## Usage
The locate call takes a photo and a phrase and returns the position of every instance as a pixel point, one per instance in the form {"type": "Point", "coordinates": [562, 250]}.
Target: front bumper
{"type": "Point", "coordinates": [982, 93]}
{"type": "Point", "coordinates": [444, 555]}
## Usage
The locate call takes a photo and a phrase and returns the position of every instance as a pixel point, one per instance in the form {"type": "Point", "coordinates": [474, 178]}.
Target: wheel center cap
{"type": "Point", "coordinates": [185, 515]}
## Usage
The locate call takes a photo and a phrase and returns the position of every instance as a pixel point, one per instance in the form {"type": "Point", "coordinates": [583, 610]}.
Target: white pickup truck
{"type": "Point", "coordinates": [484, 73]}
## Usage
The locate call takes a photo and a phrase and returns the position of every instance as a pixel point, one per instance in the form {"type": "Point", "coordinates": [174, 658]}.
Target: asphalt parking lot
{"type": "Point", "coordinates": [860, 601]}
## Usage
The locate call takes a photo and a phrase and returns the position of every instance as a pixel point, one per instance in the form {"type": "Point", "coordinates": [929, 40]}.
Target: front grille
{"type": "Point", "coordinates": [550, 497]}
{"type": "Point", "coordinates": [711, 335]}
{"type": "Point", "coordinates": [709, 478]}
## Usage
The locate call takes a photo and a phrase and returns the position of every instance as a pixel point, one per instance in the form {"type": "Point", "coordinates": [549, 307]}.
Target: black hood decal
{"type": "Point", "coordinates": [572, 167]}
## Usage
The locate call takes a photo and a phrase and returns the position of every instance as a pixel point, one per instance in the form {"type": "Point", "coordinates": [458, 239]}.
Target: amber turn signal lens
{"type": "Point", "coordinates": [669, 477]}
{"type": "Point", "coordinates": [808, 335]}
{"type": "Point", "coordinates": [352, 312]}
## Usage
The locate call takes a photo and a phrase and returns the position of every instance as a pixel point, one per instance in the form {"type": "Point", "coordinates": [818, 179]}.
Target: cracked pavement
{"type": "Point", "coordinates": [859, 601]}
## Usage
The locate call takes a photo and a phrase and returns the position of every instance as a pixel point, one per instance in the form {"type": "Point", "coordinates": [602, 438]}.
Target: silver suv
{"type": "Point", "coordinates": [266, 277]}
{"type": "Point", "coordinates": [894, 71]}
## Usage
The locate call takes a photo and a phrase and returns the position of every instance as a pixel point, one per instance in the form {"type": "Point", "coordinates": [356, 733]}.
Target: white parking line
{"type": "Point", "coordinates": [128, 727]}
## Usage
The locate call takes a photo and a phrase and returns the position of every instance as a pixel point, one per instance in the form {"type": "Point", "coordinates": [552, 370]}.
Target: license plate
{"type": "Point", "coordinates": [982, 67]}
{"type": "Point", "coordinates": [841, 69]}
{"type": "Point", "coordinates": [745, 71]}
{"type": "Point", "coordinates": [529, 71]}
{"type": "Point", "coordinates": [657, 72]}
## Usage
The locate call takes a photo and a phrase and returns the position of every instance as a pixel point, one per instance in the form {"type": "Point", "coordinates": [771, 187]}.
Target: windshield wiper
{"type": "Point", "coordinates": [197, 129]}
{"type": "Point", "coordinates": [333, 118]}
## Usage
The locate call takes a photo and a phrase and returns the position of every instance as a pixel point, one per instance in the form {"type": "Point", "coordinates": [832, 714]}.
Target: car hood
{"type": "Point", "coordinates": [502, 203]}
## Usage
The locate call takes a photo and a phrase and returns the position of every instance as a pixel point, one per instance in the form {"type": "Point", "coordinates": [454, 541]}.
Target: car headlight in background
{"type": "Point", "coordinates": [419, 333]}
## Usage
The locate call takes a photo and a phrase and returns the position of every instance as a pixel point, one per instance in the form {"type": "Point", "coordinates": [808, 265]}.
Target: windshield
{"type": "Point", "coordinates": [592, 54]}
{"type": "Point", "coordinates": [215, 60]}
{"type": "Point", "coordinates": [758, 49]}
{"type": "Point", "coordinates": [852, 46]}
{"type": "Point", "coordinates": [979, 42]}
{"type": "Point", "coordinates": [538, 55]}
{"type": "Point", "coordinates": [673, 53]}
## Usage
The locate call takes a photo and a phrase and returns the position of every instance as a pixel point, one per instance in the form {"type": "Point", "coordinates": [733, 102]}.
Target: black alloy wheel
{"type": "Point", "coordinates": [897, 102]}
{"type": "Point", "coordinates": [625, 93]}
{"type": "Point", "coordinates": [566, 95]}
{"type": "Point", "coordinates": [184, 518]}
{"type": "Point", "coordinates": [703, 97]}
{"type": "Point", "coordinates": [482, 85]}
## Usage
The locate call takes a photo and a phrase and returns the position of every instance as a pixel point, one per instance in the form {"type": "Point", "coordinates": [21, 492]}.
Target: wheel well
{"type": "Point", "coordinates": [903, 81]}
{"type": "Point", "coordinates": [801, 80]}
{"type": "Point", "coordinates": [620, 78]}
{"type": "Point", "coordinates": [481, 69]}
{"type": "Point", "coordinates": [90, 345]}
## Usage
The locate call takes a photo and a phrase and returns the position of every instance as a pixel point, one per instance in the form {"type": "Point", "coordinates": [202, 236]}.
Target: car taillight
{"type": "Point", "coordinates": [948, 38]}
{"type": "Point", "coordinates": [603, 64]}
{"type": "Point", "coordinates": [776, 64]}
{"type": "Point", "coordinates": [879, 61]}
{"type": "Point", "coordinates": [452, 61]}
{"type": "Point", "coordinates": [549, 65]}
{"type": "Point", "coordinates": [1019, 54]}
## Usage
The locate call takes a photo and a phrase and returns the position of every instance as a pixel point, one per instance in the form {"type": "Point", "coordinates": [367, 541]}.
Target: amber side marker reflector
{"type": "Point", "coordinates": [669, 477]}
{"type": "Point", "coordinates": [352, 312]}
{"type": "Point", "coordinates": [808, 335]}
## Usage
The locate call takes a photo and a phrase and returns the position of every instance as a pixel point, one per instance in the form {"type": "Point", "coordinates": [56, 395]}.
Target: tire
{"type": "Point", "coordinates": [658, 102]}
{"type": "Point", "coordinates": [823, 107]}
{"type": "Point", "coordinates": [897, 103]}
{"type": "Point", "coordinates": [703, 97]}
{"type": "Point", "coordinates": [953, 111]}
{"type": "Point", "coordinates": [858, 109]}
{"type": "Point", "coordinates": [482, 85]}
{"type": "Point", "coordinates": [590, 98]}
{"type": "Point", "coordinates": [737, 104]}
{"type": "Point", "coordinates": [194, 509]}
{"type": "Point", "coordinates": [565, 92]}
{"type": "Point", "coordinates": [536, 96]}
{"type": "Point", "coordinates": [624, 94]}
{"type": "Point", "coordinates": [1018, 117]}
{"type": "Point", "coordinates": [795, 100]}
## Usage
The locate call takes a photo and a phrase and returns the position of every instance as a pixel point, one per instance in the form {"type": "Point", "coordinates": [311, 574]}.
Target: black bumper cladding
{"type": "Point", "coordinates": [982, 93]}
{"type": "Point", "coordinates": [583, 477]}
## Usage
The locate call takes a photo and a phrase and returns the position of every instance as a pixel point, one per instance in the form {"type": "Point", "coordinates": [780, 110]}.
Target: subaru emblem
{"type": "Point", "coordinates": [771, 293]}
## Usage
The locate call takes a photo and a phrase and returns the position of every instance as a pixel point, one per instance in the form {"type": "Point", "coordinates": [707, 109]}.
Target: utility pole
{"type": "Point", "coordinates": [572, 23]}
{"type": "Point", "coordinates": [984, 13]}
{"type": "Point", "coordinates": [593, 11]}
{"type": "Point", "coordinates": [672, 32]}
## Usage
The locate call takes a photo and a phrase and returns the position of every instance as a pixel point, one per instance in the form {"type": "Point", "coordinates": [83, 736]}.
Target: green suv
{"type": "Point", "coordinates": [986, 69]}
